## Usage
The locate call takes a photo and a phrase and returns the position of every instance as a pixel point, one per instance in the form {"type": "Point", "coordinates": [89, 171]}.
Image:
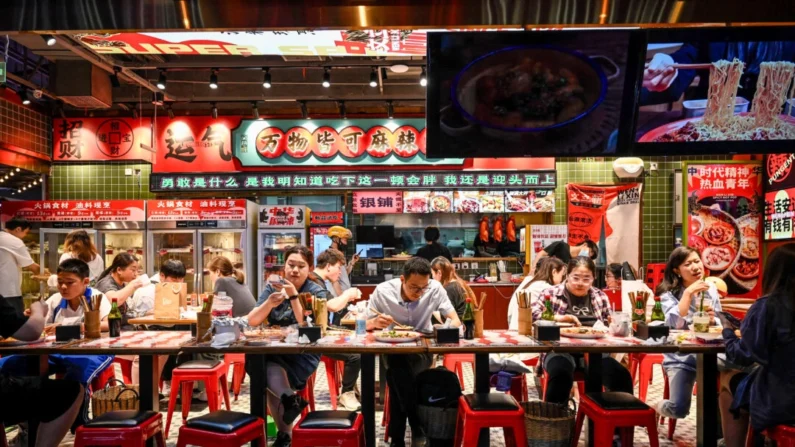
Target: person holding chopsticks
{"type": "Point", "coordinates": [408, 300]}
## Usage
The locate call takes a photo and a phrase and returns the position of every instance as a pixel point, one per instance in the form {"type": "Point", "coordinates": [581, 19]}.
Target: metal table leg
{"type": "Point", "coordinates": [149, 384]}
{"type": "Point", "coordinates": [707, 416]}
{"type": "Point", "coordinates": [368, 398]}
{"type": "Point", "coordinates": [259, 384]}
{"type": "Point", "coordinates": [482, 377]}
{"type": "Point", "coordinates": [593, 384]}
{"type": "Point", "coordinates": [36, 365]}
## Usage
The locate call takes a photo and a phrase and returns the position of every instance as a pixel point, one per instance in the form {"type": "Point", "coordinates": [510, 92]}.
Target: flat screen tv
{"type": "Point", "coordinates": [376, 234]}
{"type": "Point", "coordinates": [716, 91]}
{"type": "Point", "coordinates": [515, 94]}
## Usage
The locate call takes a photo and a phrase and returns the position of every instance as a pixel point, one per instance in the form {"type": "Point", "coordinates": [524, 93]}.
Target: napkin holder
{"type": "Point", "coordinates": [313, 333]}
{"type": "Point", "coordinates": [446, 335]}
{"type": "Point", "coordinates": [67, 333]}
{"type": "Point", "coordinates": [546, 333]}
{"type": "Point", "coordinates": [644, 332]}
{"type": "Point", "coordinates": [235, 329]}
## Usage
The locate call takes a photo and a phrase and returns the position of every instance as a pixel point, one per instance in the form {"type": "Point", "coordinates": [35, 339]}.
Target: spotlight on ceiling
{"type": "Point", "coordinates": [326, 77]}
{"type": "Point", "coordinates": [390, 111]}
{"type": "Point", "coordinates": [255, 110]}
{"type": "Point", "coordinates": [49, 39]}
{"type": "Point", "coordinates": [343, 110]}
{"type": "Point", "coordinates": [214, 111]}
{"type": "Point", "coordinates": [267, 81]}
{"type": "Point", "coordinates": [170, 111]}
{"type": "Point", "coordinates": [213, 80]}
{"type": "Point", "coordinates": [424, 77]}
{"type": "Point", "coordinates": [373, 78]}
{"type": "Point", "coordinates": [23, 95]}
{"type": "Point", "coordinates": [161, 80]}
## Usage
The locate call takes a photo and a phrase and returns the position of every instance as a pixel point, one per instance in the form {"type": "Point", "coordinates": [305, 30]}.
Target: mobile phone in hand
{"type": "Point", "coordinates": [728, 320]}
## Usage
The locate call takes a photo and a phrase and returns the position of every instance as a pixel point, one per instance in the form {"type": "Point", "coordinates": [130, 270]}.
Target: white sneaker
{"type": "Point", "coordinates": [348, 401]}
{"type": "Point", "coordinates": [201, 397]}
{"type": "Point", "coordinates": [167, 388]}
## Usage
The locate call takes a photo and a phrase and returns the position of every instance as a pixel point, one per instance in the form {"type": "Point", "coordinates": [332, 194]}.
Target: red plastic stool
{"type": "Point", "coordinates": [784, 435]}
{"type": "Point", "coordinates": [126, 369]}
{"type": "Point", "coordinates": [611, 410]}
{"type": "Point", "coordinates": [238, 364]}
{"type": "Point", "coordinates": [101, 379]}
{"type": "Point", "coordinates": [518, 387]}
{"type": "Point", "coordinates": [128, 428]}
{"type": "Point", "coordinates": [654, 275]}
{"type": "Point", "coordinates": [385, 417]}
{"type": "Point", "coordinates": [477, 411]}
{"type": "Point", "coordinates": [338, 428]}
{"type": "Point", "coordinates": [642, 369]}
{"type": "Point", "coordinates": [208, 371]}
{"type": "Point", "coordinates": [455, 363]}
{"type": "Point", "coordinates": [223, 429]}
{"type": "Point", "coordinates": [332, 376]}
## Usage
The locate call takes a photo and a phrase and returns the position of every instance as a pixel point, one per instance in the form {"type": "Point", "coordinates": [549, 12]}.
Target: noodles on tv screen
{"type": "Point", "coordinates": [716, 90]}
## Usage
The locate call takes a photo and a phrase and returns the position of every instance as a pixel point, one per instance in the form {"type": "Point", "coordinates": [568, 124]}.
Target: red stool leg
{"type": "Point", "coordinates": [187, 397]}
{"type": "Point", "coordinates": [515, 434]}
{"type": "Point", "coordinates": [225, 391]}
{"type": "Point", "coordinates": [238, 375]}
{"type": "Point", "coordinates": [651, 427]}
{"type": "Point", "coordinates": [459, 426]}
{"type": "Point", "coordinates": [331, 377]}
{"type": "Point", "coordinates": [644, 380]}
{"type": "Point", "coordinates": [385, 418]}
{"type": "Point", "coordinates": [603, 433]}
{"type": "Point", "coordinates": [172, 401]}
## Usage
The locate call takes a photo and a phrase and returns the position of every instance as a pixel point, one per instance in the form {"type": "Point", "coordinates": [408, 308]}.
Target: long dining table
{"type": "Point", "coordinates": [150, 344]}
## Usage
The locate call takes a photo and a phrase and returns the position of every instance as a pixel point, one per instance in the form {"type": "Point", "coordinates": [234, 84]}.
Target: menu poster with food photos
{"type": "Point", "coordinates": [612, 209]}
{"type": "Point", "coordinates": [779, 197]}
{"type": "Point", "coordinates": [724, 222]}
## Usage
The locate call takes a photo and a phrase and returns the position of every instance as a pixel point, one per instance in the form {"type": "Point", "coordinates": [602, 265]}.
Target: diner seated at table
{"type": "Point", "coordinates": [327, 271]}
{"type": "Point", "coordinates": [227, 279]}
{"type": "Point", "coordinates": [550, 272]}
{"type": "Point", "coordinates": [120, 280]}
{"type": "Point", "coordinates": [408, 300]}
{"type": "Point", "coordinates": [578, 302]}
{"type": "Point", "coordinates": [768, 340]}
{"type": "Point", "coordinates": [279, 305]}
{"type": "Point", "coordinates": [681, 293]}
{"type": "Point", "coordinates": [457, 289]}
{"type": "Point", "coordinates": [613, 276]}
{"type": "Point", "coordinates": [22, 398]}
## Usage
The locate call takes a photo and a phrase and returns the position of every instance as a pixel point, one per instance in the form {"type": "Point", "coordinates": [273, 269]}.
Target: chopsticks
{"type": "Point", "coordinates": [688, 66]}
{"type": "Point", "coordinates": [84, 303]}
{"type": "Point", "coordinates": [479, 304]}
{"type": "Point", "coordinates": [398, 325]}
{"type": "Point", "coordinates": [635, 296]}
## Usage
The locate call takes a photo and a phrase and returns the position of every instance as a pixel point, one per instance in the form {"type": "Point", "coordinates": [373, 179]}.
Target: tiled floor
{"type": "Point", "coordinates": [685, 429]}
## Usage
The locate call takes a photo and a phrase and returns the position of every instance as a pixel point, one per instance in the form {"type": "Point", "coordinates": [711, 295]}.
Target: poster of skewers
{"type": "Point", "coordinates": [724, 222]}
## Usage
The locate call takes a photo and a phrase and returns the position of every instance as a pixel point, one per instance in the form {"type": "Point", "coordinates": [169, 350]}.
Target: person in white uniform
{"type": "Point", "coordinates": [15, 257]}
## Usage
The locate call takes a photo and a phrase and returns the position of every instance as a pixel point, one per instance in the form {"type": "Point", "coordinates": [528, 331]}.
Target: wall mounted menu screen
{"type": "Point", "coordinates": [717, 91]}
{"type": "Point", "coordinates": [551, 93]}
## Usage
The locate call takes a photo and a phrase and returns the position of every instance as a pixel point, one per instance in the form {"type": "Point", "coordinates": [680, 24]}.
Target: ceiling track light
{"type": "Point", "coordinates": [214, 111]}
{"type": "Point", "coordinates": [304, 110]}
{"type": "Point", "coordinates": [114, 78]}
{"type": "Point", "coordinates": [373, 78]}
{"type": "Point", "coordinates": [18, 169]}
{"type": "Point", "coordinates": [255, 110]}
{"type": "Point", "coordinates": [343, 110]}
{"type": "Point", "coordinates": [161, 80]}
{"type": "Point", "coordinates": [23, 95]}
{"type": "Point", "coordinates": [390, 110]}
{"type": "Point", "coordinates": [49, 39]}
{"type": "Point", "coordinates": [424, 77]}
{"type": "Point", "coordinates": [170, 111]}
{"type": "Point", "coordinates": [213, 79]}
{"type": "Point", "coordinates": [326, 77]}
{"type": "Point", "coordinates": [267, 80]}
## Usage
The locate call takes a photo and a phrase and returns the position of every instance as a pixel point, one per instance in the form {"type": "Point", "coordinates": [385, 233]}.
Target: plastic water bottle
{"type": "Point", "coordinates": [361, 324]}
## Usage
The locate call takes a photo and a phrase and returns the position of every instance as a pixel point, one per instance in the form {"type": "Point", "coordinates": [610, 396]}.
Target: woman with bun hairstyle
{"type": "Point", "coordinates": [226, 278]}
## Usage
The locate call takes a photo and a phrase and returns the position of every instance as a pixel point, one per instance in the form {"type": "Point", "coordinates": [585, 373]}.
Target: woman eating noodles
{"type": "Point", "coordinates": [680, 292]}
{"type": "Point", "coordinates": [578, 302]}
{"type": "Point", "coordinates": [279, 305]}
{"type": "Point", "coordinates": [231, 281]}
{"type": "Point", "coordinates": [550, 272]}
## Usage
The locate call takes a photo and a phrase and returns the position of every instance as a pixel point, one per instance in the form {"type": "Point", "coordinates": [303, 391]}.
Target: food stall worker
{"type": "Point", "coordinates": [577, 301]}
{"type": "Point", "coordinates": [566, 252]}
{"type": "Point", "coordinates": [78, 245]}
{"type": "Point", "coordinates": [680, 290]}
{"type": "Point", "coordinates": [328, 268]}
{"type": "Point", "coordinates": [339, 239]}
{"type": "Point", "coordinates": [433, 249]}
{"type": "Point", "coordinates": [14, 256]}
{"type": "Point", "coordinates": [22, 396]}
{"type": "Point", "coordinates": [613, 276]}
{"type": "Point", "coordinates": [408, 300]}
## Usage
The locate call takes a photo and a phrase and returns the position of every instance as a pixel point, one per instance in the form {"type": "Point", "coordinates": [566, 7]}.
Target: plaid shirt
{"type": "Point", "coordinates": [599, 302]}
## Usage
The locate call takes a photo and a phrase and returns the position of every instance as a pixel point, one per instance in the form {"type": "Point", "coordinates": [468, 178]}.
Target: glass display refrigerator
{"type": "Point", "coordinates": [280, 226]}
{"type": "Point", "coordinates": [319, 224]}
{"type": "Point", "coordinates": [122, 230]}
{"type": "Point", "coordinates": [195, 231]}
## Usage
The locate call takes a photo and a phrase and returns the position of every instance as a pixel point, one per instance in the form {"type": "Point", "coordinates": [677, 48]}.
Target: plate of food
{"type": "Point", "coordinates": [492, 202]}
{"type": "Point", "coordinates": [402, 255]}
{"type": "Point", "coordinates": [11, 341]}
{"type": "Point", "coordinates": [441, 202]}
{"type": "Point", "coordinates": [270, 333]}
{"type": "Point", "coordinates": [395, 336]}
{"type": "Point", "coordinates": [719, 240]}
{"type": "Point", "coordinates": [583, 332]}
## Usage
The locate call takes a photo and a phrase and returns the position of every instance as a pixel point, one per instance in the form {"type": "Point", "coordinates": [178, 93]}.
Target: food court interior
{"type": "Point", "coordinates": [174, 130]}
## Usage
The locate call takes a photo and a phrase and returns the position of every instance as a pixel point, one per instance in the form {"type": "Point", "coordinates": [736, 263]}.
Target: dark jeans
{"type": "Point", "coordinates": [350, 374]}
{"type": "Point", "coordinates": [401, 373]}
{"type": "Point", "coordinates": [13, 302]}
{"type": "Point", "coordinates": [560, 368]}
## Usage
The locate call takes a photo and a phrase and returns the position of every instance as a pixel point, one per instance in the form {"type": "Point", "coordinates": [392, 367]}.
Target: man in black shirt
{"type": "Point", "coordinates": [433, 249]}
{"type": "Point", "coordinates": [22, 397]}
{"type": "Point", "coordinates": [565, 252]}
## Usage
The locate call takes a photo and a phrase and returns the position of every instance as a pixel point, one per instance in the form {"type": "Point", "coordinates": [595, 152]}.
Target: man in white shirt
{"type": "Point", "coordinates": [64, 308]}
{"type": "Point", "coordinates": [14, 257]}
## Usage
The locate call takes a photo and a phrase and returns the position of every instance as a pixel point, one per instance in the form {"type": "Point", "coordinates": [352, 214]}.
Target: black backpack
{"type": "Point", "coordinates": [438, 387]}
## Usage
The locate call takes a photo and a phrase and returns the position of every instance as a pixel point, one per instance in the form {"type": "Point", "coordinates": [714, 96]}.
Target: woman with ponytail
{"type": "Point", "coordinates": [226, 278]}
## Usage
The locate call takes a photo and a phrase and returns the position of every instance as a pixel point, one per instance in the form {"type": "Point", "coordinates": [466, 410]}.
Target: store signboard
{"type": "Point", "coordinates": [282, 216]}
{"type": "Point", "coordinates": [195, 210]}
{"type": "Point", "coordinates": [74, 210]}
{"type": "Point", "coordinates": [377, 202]}
{"type": "Point", "coordinates": [543, 235]}
{"type": "Point", "coordinates": [275, 181]}
{"type": "Point", "coordinates": [779, 197]}
{"type": "Point", "coordinates": [79, 140]}
{"type": "Point", "coordinates": [325, 218]}
{"type": "Point", "coordinates": [724, 221]}
{"type": "Point", "coordinates": [195, 144]}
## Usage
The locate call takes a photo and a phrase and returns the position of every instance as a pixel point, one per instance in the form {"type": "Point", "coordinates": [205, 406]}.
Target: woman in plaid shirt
{"type": "Point", "coordinates": [576, 301]}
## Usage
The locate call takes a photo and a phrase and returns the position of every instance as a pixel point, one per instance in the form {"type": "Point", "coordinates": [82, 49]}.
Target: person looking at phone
{"type": "Point", "coordinates": [409, 300]}
{"type": "Point", "coordinates": [279, 305]}
{"type": "Point", "coordinates": [339, 240]}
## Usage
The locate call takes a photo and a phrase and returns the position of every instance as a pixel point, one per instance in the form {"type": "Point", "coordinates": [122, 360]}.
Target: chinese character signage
{"type": "Point", "coordinates": [612, 209]}
{"type": "Point", "coordinates": [377, 202]}
{"type": "Point", "coordinates": [543, 235]}
{"type": "Point", "coordinates": [195, 144]}
{"type": "Point", "coordinates": [779, 197]}
{"type": "Point", "coordinates": [282, 216]}
{"type": "Point", "coordinates": [325, 218]}
{"type": "Point", "coordinates": [195, 210]}
{"type": "Point", "coordinates": [101, 139]}
{"type": "Point", "coordinates": [724, 222]}
{"type": "Point", "coordinates": [75, 211]}
{"type": "Point", "coordinates": [404, 180]}
{"type": "Point", "coordinates": [261, 143]}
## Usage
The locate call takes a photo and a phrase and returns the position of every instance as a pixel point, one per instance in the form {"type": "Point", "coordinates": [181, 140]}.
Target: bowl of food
{"type": "Point", "coordinates": [395, 336]}
{"type": "Point", "coordinates": [528, 89]}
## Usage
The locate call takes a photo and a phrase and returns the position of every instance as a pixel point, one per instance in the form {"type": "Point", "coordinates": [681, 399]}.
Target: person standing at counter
{"type": "Point", "coordinates": [551, 272]}
{"type": "Point", "coordinates": [15, 257]}
{"type": "Point", "coordinates": [339, 239]}
{"type": "Point", "coordinates": [566, 252]}
{"type": "Point", "coordinates": [433, 249]}
{"type": "Point", "coordinates": [279, 305]}
{"type": "Point", "coordinates": [408, 300]}
{"type": "Point", "coordinates": [231, 281]}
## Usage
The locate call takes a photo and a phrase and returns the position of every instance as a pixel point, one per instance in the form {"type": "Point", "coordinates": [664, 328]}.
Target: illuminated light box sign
{"type": "Point", "coordinates": [195, 210]}
{"type": "Point", "coordinates": [75, 211]}
{"type": "Point", "coordinates": [352, 180]}
{"type": "Point", "coordinates": [79, 140]}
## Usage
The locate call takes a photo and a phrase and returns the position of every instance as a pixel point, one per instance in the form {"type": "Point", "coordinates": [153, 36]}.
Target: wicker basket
{"type": "Point", "coordinates": [548, 424]}
{"type": "Point", "coordinates": [439, 423]}
{"type": "Point", "coordinates": [114, 398]}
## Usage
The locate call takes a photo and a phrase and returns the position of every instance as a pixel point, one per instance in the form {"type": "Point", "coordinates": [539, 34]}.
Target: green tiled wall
{"type": "Point", "coordinates": [658, 196]}
{"type": "Point", "coordinates": [99, 181]}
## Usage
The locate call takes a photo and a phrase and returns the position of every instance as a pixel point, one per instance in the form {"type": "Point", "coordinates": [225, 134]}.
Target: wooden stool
{"type": "Point", "coordinates": [486, 410]}
{"type": "Point", "coordinates": [338, 428]}
{"type": "Point", "coordinates": [128, 428]}
{"type": "Point", "coordinates": [208, 371]}
{"type": "Point", "coordinates": [222, 428]}
{"type": "Point", "coordinates": [611, 410]}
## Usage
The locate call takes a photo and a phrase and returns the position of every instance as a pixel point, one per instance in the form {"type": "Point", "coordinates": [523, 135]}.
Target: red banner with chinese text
{"type": "Point", "coordinates": [616, 209]}
{"type": "Point", "coordinates": [325, 218]}
{"type": "Point", "coordinates": [724, 222]}
{"type": "Point", "coordinates": [204, 209]}
{"type": "Point", "coordinates": [102, 139]}
{"type": "Point", "coordinates": [195, 144]}
{"type": "Point", "coordinates": [74, 211]}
